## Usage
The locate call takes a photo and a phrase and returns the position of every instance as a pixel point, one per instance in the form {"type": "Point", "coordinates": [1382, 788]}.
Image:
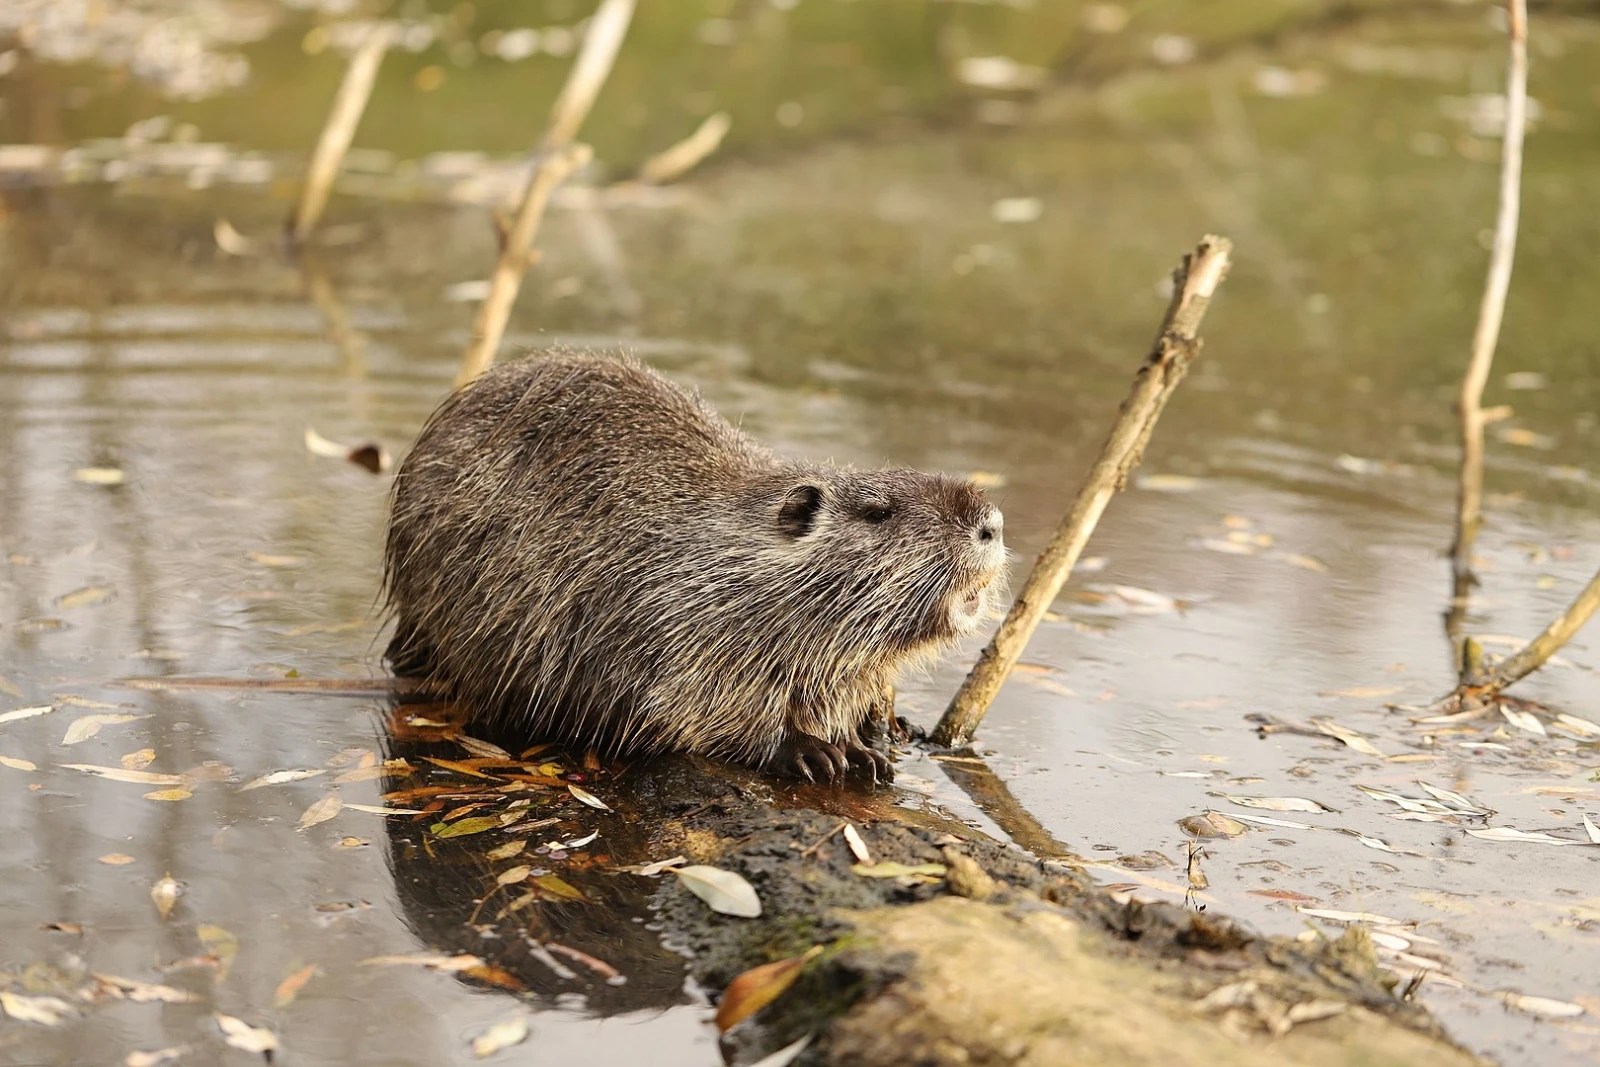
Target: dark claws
{"type": "Point", "coordinates": [872, 763]}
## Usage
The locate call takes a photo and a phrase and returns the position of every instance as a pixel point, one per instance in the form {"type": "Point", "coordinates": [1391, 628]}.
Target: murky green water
{"type": "Point", "coordinates": [851, 296]}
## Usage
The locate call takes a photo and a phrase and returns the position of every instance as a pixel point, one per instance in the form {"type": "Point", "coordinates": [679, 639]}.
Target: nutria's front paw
{"type": "Point", "coordinates": [871, 762]}
{"type": "Point", "coordinates": [811, 758]}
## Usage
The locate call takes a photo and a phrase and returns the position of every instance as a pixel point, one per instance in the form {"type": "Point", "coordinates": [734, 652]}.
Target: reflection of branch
{"type": "Point", "coordinates": [1469, 403]}
{"type": "Point", "coordinates": [992, 796]}
{"type": "Point", "coordinates": [348, 106]}
{"type": "Point", "coordinates": [350, 341]}
{"type": "Point", "coordinates": [1176, 344]}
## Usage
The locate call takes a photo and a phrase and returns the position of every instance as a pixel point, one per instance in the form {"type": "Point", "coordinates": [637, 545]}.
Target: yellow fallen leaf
{"type": "Point", "coordinates": [116, 859]}
{"type": "Point", "coordinates": [17, 764]}
{"type": "Point", "coordinates": [175, 794]}
{"type": "Point", "coordinates": [98, 476]}
{"type": "Point", "coordinates": [88, 725]}
{"type": "Point", "coordinates": [290, 987]}
{"type": "Point", "coordinates": [165, 894]}
{"type": "Point", "coordinates": [138, 761]}
{"type": "Point", "coordinates": [123, 774]}
{"type": "Point", "coordinates": [320, 812]}
{"type": "Point", "coordinates": [268, 559]}
{"type": "Point", "coordinates": [220, 943]}
{"type": "Point", "coordinates": [88, 595]}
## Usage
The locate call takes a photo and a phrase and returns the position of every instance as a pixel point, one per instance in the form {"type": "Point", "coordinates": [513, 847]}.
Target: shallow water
{"type": "Point", "coordinates": [854, 299]}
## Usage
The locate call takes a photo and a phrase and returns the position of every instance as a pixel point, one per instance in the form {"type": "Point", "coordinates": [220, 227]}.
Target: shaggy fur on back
{"type": "Point", "coordinates": [581, 548]}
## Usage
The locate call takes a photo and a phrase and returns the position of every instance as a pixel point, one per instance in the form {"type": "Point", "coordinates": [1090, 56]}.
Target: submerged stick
{"type": "Point", "coordinates": [559, 159]}
{"type": "Point", "coordinates": [1487, 685]}
{"type": "Point", "coordinates": [515, 256]}
{"type": "Point", "coordinates": [1491, 310]}
{"type": "Point", "coordinates": [1176, 344]}
{"type": "Point", "coordinates": [348, 106]}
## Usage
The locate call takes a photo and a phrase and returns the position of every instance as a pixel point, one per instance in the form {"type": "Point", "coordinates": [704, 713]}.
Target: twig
{"type": "Point", "coordinates": [348, 106]}
{"type": "Point", "coordinates": [681, 158]}
{"type": "Point", "coordinates": [559, 159]}
{"type": "Point", "coordinates": [589, 72]}
{"type": "Point", "coordinates": [1469, 403]}
{"type": "Point", "coordinates": [1533, 655]}
{"type": "Point", "coordinates": [1194, 282]}
{"type": "Point", "coordinates": [490, 325]}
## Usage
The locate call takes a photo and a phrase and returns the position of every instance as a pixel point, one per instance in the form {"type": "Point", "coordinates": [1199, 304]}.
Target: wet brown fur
{"type": "Point", "coordinates": [579, 547]}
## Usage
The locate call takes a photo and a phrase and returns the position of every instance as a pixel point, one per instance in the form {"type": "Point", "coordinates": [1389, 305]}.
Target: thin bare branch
{"type": "Point", "coordinates": [681, 158]}
{"type": "Point", "coordinates": [1176, 344]}
{"type": "Point", "coordinates": [1469, 402]}
{"type": "Point", "coordinates": [589, 72]}
{"type": "Point", "coordinates": [348, 106]}
{"type": "Point", "coordinates": [1535, 653]}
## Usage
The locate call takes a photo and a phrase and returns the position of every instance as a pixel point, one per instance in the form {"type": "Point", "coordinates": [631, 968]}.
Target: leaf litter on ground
{"type": "Point", "coordinates": [723, 891]}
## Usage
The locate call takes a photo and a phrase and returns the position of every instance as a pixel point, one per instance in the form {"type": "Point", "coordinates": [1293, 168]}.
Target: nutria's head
{"type": "Point", "coordinates": [893, 559]}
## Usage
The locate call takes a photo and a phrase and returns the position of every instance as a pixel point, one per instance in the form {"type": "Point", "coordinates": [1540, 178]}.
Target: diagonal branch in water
{"type": "Point", "coordinates": [1176, 345]}
{"type": "Point", "coordinates": [1479, 686]}
{"type": "Point", "coordinates": [1491, 310]}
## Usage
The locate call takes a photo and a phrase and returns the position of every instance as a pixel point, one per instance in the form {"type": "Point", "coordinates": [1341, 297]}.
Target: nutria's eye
{"type": "Point", "coordinates": [877, 513]}
{"type": "Point", "coordinates": [798, 514]}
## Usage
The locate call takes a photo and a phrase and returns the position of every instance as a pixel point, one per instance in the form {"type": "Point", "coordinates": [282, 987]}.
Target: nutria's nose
{"type": "Point", "coordinates": [991, 526]}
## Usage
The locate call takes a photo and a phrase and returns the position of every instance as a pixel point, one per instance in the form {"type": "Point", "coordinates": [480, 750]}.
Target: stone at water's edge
{"type": "Point", "coordinates": [1004, 962]}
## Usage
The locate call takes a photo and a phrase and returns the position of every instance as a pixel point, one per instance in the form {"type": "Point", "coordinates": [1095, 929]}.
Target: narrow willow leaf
{"type": "Point", "coordinates": [759, 986]}
{"type": "Point", "coordinates": [723, 891]}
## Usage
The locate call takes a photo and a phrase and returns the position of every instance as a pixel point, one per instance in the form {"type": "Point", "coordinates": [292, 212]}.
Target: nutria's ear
{"type": "Point", "coordinates": [797, 516]}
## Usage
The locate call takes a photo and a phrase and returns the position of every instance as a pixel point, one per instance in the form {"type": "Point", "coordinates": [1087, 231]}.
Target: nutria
{"type": "Point", "coordinates": [580, 548]}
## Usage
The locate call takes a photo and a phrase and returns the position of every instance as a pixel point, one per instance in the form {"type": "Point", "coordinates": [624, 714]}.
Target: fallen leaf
{"type": "Point", "coordinates": [513, 875]}
{"type": "Point", "coordinates": [1523, 720]}
{"type": "Point", "coordinates": [1581, 727]}
{"type": "Point", "coordinates": [858, 847]}
{"type": "Point", "coordinates": [1351, 738]}
{"type": "Point", "coordinates": [138, 761]}
{"type": "Point", "coordinates": [165, 894]}
{"type": "Point", "coordinates": [321, 811]}
{"type": "Point", "coordinates": [17, 764]}
{"type": "Point", "coordinates": [116, 859]}
{"type": "Point", "coordinates": [174, 794]}
{"type": "Point", "coordinates": [146, 992]}
{"type": "Point", "coordinates": [268, 559]}
{"type": "Point", "coordinates": [463, 827]}
{"type": "Point", "coordinates": [123, 774]}
{"type": "Point", "coordinates": [753, 990]}
{"type": "Point", "coordinates": [723, 891]}
{"type": "Point", "coordinates": [1211, 824]}
{"type": "Point", "coordinates": [1168, 483]}
{"type": "Point", "coordinates": [890, 869]}
{"type": "Point", "coordinates": [501, 1035]}
{"type": "Point", "coordinates": [26, 713]}
{"type": "Point", "coordinates": [657, 867]}
{"type": "Point", "coordinates": [88, 595]}
{"type": "Point", "coordinates": [553, 886]}
{"type": "Point", "coordinates": [787, 1054]}
{"type": "Point", "coordinates": [377, 809]}
{"type": "Point", "coordinates": [241, 1035]}
{"type": "Point", "coordinates": [587, 797]}
{"type": "Point", "coordinates": [290, 987]}
{"type": "Point", "coordinates": [1275, 803]}
{"type": "Point", "coordinates": [1543, 1006]}
{"type": "Point", "coordinates": [46, 1011]}
{"type": "Point", "coordinates": [155, 1057]}
{"type": "Point", "coordinates": [1362, 692]}
{"type": "Point", "coordinates": [98, 476]}
{"type": "Point", "coordinates": [1590, 828]}
{"type": "Point", "coordinates": [220, 943]}
{"type": "Point", "coordinates": [1508, 834]}
{"type": "Point", "coordinates": [9, 688]}
{"type": "Point", "coordinates": [1267, 820]}
{"type": "Point", "coordinates": [1351, 917]}
{"type": "Point", "coordinates": [433, 961]}
{"type": "Point", "coordinates": [481, 748]}
{"type": "Point", "coordinates": [507, 850]}
{"type": "Point", "coordinates": [282, 777]}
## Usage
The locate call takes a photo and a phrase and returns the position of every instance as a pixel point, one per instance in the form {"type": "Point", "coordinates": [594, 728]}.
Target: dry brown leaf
{"type": "Point", "coordinates": [123, 774]}
{"type": "Point", "coordinates": [321, 811]}
{"type": "Point", "coordinates": [513, 875]}
{"type": "Point", "coordinates": [220, 943]}
{"type": "Point", "coordinates": [174, 794]}
{"type": "Point", "coordinates": [290, 987]}
{"type": "Point", "coordinates": [165, 894]}
{"type": "Point", "coordinates": [138, 761]}
{"type": "Point", "coordinates": [759, 986]}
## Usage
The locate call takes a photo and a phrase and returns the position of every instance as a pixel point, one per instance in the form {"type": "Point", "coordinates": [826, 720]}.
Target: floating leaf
{"type": "Point", "coordinates": [587, 797]}
{"type": "Point", "coordinates": [483, 749]}
{"type": "Point", "coordinates": [87, 726]}
{"type": "Point", "coordinates": [138, 761]}
{"type": "Point", "coordinates": [1351, 738]}
{"type": "Point", "coordinates": [433, 961]}
{"type": "Point", "coordinates": [1582, 727]}
{"type": "Point", "coordinates": [116, 859]}
{"type": "Point", "coordinates": [759, 986]}
{"type": "Point", "coordinates": [85, 597]}
{"type": "Point", "coordinates": [1543, 1006]}
{"type": "Point", "coordinates": [890, 869]}
{"type": "Point", "coordinates": [220, 943]}
{"type": "Point", "coordinates": [513, 875]}
{"type": "Point", "coordinates": [463, 827]}
{"type": "Point", "coordinates": [282, 777]}
{"type": "Point", "coordinates": [1267, 820]}
{"type": "Point", "coordinates": [268, 559]}
{"type": "Point", "coordinates": [1362, 692]}
{"type": "Point", "coordinates": [98, 476]}
{"type": "Point", "coordinates": [176, 793]}
{"type": "Point", "coordinates": [723, 891]}
{"type": "Point", "coordinates": [1211, 824]}
{"type": "Point", "coordinates": [1351, 917]}
{"type": "Point", "coordinates": [501, 1035]}
{"type": "Point", "coordinates": [858, 847]}
{"type": "Point", "coordinates": [123, 774]}
{"type": "Point", "coordinates": [290, 987]}
{"type": "Point", "coordinates": [1507, 833]}
{"type": "Point", "coordinates": [155, 1057]}
{"type": "Point", "coordinates": [553, 886]}
{"type": "Point", "coordinates": [26, 713]}
{"type": "Point", "coordinates": [1460, 803]}
{"type": "Point", "coordinates": [657, 867]}
{"type": "Point", "coordinates": [1590, 828]}
{"type": "Point", "coordinates": [146, 992]}
{"type": "Point", "coordinates": [787, 1054]}
{"type": "Point", "coordinates": [1523, 720]}
{"type": "Point", "coordinates": [241, 1035]}
{"type": "Point", "coordinates": [46, 1011]}
{"type": "Point", "coordinates": [1275, 803]}
{"type": "Point", "coordinates": [17, 764]}
{"type": "Point", "coordinates": [507, 850]}
{"type": "Point", "coordinates": [1412, 804]}
{"type": "Point", "coordinates": [459, 767]}
{"type": "Point", "coordinates": [165, 894]}
{"type": "Point", "coordinates": [320, 812]}
{"type": "Point", "coordinates": [376, 809]}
